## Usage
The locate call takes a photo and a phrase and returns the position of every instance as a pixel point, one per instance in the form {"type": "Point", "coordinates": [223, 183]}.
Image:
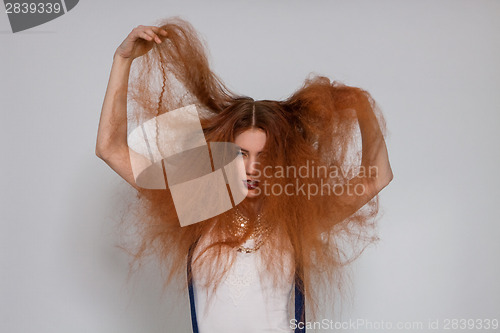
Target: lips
{"type": "Point", "coordinates": [251, 184]}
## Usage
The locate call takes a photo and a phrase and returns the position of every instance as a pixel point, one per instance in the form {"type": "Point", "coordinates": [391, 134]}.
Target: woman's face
{"type": "Point", "coordinates": [251, 142]}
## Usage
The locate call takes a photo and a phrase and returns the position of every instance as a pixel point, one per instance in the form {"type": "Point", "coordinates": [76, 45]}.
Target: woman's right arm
{"type": "Point", "coordinates": [111, 144]}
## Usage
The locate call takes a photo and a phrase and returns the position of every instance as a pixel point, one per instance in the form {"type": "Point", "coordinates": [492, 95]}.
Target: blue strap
{"type": "Point", "coordinates": [300, 309]}
{"type": "Point", "coordinates": [194, 322]}
{"type": "Point", "coordinates": [300, 306]}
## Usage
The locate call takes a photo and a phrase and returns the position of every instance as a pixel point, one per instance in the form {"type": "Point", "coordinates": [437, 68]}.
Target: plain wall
{"type": "Point", "coordinates": [431, 65]}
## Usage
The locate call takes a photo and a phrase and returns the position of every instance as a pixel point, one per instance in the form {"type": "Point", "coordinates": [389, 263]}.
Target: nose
{"type": "Point", "coordinates": [251, 166]}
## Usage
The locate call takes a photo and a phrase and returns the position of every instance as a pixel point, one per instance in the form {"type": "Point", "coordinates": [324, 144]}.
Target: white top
{"type": "Point", "coordinates": [243, 302]}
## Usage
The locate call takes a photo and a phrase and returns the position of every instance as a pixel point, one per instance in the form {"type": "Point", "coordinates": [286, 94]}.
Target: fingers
{"type": "Point", "coordinates": [160, 31]}
{"type": "Point", "coordinates": [150, 33]}
{"type": "Point", "coordinates": [145, 35]}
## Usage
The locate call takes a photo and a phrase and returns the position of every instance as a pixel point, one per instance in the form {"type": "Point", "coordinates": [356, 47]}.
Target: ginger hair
{"type": "Point", "coordinates": [317, 123]}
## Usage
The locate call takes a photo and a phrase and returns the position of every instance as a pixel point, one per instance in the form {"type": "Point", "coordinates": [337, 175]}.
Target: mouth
{"type": "Point", "coordinates": [251, 184]}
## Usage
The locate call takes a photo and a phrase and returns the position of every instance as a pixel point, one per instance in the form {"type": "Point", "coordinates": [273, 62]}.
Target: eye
{"type": "Point", "coordinates": [242, 153]}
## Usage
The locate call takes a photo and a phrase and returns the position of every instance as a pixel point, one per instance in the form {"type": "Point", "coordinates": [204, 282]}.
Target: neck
{"type": "Point", "coordinates": [251, 206]}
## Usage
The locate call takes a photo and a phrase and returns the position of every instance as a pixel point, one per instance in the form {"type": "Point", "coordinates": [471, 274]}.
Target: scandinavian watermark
{"type": "Point", "coordinates": [329, 180]}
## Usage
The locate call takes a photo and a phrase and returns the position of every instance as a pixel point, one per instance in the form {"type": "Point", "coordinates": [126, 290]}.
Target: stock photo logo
{"type": "Point", "coordinates": [25, 15]}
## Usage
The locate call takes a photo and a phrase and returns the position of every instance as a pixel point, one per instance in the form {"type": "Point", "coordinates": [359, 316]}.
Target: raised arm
{"type": "Point", "coordinates": [375, 169]}
{"type": "Point", "coordinates": [374, 150]}
{"type": "Point", "coordinates": [111, 144]}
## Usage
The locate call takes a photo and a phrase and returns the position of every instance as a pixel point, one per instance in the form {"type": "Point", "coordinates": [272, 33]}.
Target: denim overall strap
{"type": "Point", "coordinates": [300, 306]}
{"type": "Point", "coordinates": [300, 310]}
{"type": "Point", "coordinates": [194, 322]}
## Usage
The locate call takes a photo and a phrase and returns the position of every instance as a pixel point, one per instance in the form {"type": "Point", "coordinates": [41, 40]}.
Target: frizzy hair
{"type": "Point", "coordinates": [316, 125]}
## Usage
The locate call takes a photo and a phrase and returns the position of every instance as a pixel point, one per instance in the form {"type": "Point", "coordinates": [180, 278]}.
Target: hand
{"type": "Point", "coordinates": [140, 41]}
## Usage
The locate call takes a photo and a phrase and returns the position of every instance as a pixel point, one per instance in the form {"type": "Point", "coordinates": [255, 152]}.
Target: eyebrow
{"type": "Point", "coordinates": [246, 151]}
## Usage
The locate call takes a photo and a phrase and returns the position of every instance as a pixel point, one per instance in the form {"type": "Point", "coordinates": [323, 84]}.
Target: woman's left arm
{"type": "Point", "coordinates": [374, 150]}
{"type": "Point", "coordinates": [375, 169]}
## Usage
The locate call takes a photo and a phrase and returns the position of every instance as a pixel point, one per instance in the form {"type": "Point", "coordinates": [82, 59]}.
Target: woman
{"type": "Point", "coordinates": [311, 197]}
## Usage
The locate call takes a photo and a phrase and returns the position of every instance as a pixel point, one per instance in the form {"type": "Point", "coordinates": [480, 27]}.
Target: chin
{"type": "Point", "coordinates": [252, 194]}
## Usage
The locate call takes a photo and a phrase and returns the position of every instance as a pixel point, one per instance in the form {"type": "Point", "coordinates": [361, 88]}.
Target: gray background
{"type": "Point", "coordinates": [432, 66]}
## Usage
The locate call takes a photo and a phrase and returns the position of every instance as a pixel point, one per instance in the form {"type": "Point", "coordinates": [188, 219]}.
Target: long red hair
{"type": "Point", "coordinates": [316, 126]}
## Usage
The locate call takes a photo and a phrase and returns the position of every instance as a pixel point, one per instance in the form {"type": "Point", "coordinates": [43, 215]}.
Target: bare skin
{"type": "Point", "coordinates": [111, 145]}
{"type": "Point", "coordinates": [252, 142]}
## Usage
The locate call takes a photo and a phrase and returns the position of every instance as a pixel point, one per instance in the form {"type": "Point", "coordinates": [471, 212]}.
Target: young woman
{"type": "Point", "coordinates": [311, 191]}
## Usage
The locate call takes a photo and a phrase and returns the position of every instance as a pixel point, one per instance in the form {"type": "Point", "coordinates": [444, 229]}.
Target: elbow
{"type": "Point", "coordinates": [381, 182]}
{"type": "Point", "coordinates": [102, 149]}
{"type": "Point", "coordinates": [100, 152]}
{"type": "Point", "coordinates": [107, 152]}
{"type": "Point", "coordinates": [390, 176]}
{"type": "Point", "coordinates": [387, 179]}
